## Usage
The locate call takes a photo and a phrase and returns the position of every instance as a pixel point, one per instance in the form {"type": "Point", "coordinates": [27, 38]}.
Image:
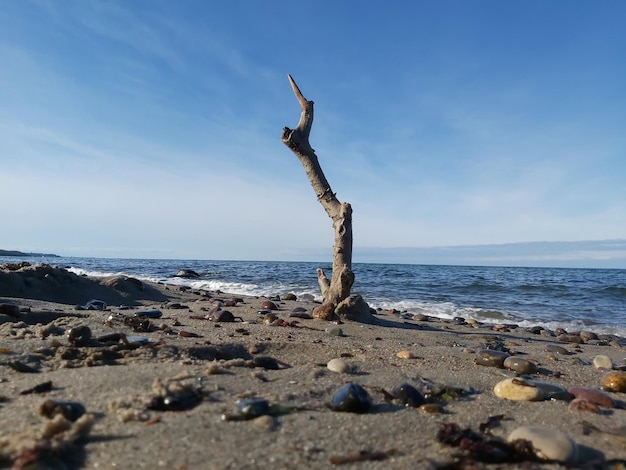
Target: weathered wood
{"type": "Point", "coordinates": [337, 290]}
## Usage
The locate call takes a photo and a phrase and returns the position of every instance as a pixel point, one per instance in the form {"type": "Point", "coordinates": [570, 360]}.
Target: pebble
{"type": "Point", "coordinates": [434, 408]}
{"type": "Point", "coordinates": [490, 358]}
{"type": "Point", "coordinates": [149, 313]}
{"type": "Point", "coordinates": [549, 444]}
{"type": "Point", "coordinates": [520, 365]}
{"type": "Point", "coordinates": [405, 355]}
{"type": "Point", "coordinates": [351, 397]}
{"type": "Point", "coordinates": [602, 362]}
{"type": "Point", "coordinates": [580, 404]}
{"type": "Point", "coordinates": [567, 338]}
{"type": "Point", "coordinates": [518, 390]}
{"type": "Point", "coordinates": [11, 310]}
{"type": "Point", "coordinates": [592, 395]}
{"type": "Point", "coordinates": [339, 365]}
{"type": "Point", "coordinates": [588, 336]}
{"type": "Point", "coordinates": [614, 381]}
{"type": "Point", "coordinates": [334, 331]}
{"type": "Point", "coordinates": [547, 388]}
{"type": "Point", "coordinates": [407, 395]}
{"type": "Point", "coordinates": [553, 348]}
{"type": "Point", "coordinates": [269, 305]}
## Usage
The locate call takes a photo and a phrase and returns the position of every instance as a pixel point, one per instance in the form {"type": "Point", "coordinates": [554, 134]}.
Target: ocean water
{"type": "Point", "coordinates": [574, 299]}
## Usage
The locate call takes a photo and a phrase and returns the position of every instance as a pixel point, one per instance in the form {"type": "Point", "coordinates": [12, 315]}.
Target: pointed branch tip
{"type": "Point", "coordinates": [301, 99]}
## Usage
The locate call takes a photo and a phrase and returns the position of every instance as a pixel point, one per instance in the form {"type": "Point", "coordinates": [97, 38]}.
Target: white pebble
{"type": "Point", "coordinates": [602, 362]}
{"type": "Point", "coordinates": [518, 390]}
{"type": "Point", "coordinates": [548, 443]}
{"type": "Point", "coordinates": [339, 365]}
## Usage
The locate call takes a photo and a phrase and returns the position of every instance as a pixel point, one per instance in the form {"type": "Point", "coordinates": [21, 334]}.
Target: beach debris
{"type": "Point", "coordinates": [11, 310]}
{"type": "Point", "coordinates": [592, 395]}
{"type": "Point", "coordinates": [70, 410]}
{"type": "Point", "coordinates": [602, 361]}
{"type": "Point", "coordinates": [517, 389]}
{"type": "Point", "coordinates": [43, 387]}
{"type": "Point", "coordinates": [362, 456]}
{"type": "Point", "coordinates": [175, 394]}
{"type": "Point", "coordinates": [79, 335]}
{"type": "Point", "coordinates": [520, 365]}
{"type": "Point", "coordinates": [490, 358]}
{"type": "Point", "coordinates": [351, 397]}
{"type": "Point", "coordinates": [614, 381]}
{"type": "Point", "coordinates": [56, 444]}
{"type": "Point", "coordinates": [339, 366]}
{"type": "Point", "coordinates": [478, 447]}
{"type": "Point", "coordinates": [547, 443]}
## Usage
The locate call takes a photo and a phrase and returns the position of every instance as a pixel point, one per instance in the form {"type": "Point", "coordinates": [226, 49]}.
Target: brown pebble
{"type": "Point", "coordinates": [433, 408]}
{"type": "Point", "coordinates": [614, 381]}
{"type": "Point", "coordinates": [592, 395]}
{"type": "Point", "coordinates": [405, 355]}
{"type": "Point", "coordinates": [580, 404]}
{"type": "Point", "coordinates": [570, 339]}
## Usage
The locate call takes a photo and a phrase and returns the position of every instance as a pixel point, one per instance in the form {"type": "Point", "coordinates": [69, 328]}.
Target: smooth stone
{"type": "Point", "coordinates": [516, 389]}
{"type": "Point", "coordinates": [290, 296]}
{"type": "Point", "coordinates": [553, 348]}
{"type": "Point", "coordinates": [351, 397]}
{"type": "Point", "coordinates": [408, 395]}
{"type": "Point", "coordinates": [550, 444]}
{"type": "Point", "coordinates": [588, 335]}
{"type": "Point", "coordinates": [490, 358]}
{"type": "Point", "coordinates": [519, 364]}
{"type": "Point", "coordinates": [592, 395]}
{"type": "Point", "coordinates": [602, 362]}
{"type": "Point", "coordinates": [582, 405]}
{"type": "Point", "coordinates": [186, 273]}
{"type": "Point", "coordinates": [149, 313]}
{"type": "Point", "coordinates": [11, 310]}
{"type": "Point", "coordinates": [566, 338]}
{"type": "Point", "coordinates": [339, 365]}
{"type": "Point", "coordinates": [614, 381]}
{"type": "Point", "coordinates": [405, 355]}
{"type": "Point", "coordinates": [334, 331]}
{"type": "Point", "coordinates": [547, 388]}
{"type": "Point", "coordinates": [269, 305]}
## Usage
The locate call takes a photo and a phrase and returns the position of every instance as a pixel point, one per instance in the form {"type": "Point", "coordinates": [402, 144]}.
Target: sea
{"type": "Point", "coordinates": [573, 299]}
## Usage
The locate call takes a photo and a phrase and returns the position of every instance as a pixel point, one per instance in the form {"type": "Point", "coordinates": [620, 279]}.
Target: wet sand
{"type": "Point", "coordinates": [132, 391]}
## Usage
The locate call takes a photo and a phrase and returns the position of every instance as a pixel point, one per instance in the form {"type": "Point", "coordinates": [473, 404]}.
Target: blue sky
{"type": "Point", "coordinates": [152, 128]}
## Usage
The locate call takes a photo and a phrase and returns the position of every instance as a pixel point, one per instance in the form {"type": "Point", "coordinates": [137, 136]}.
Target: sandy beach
{"type": "Point", "coordinates": [161, 389]}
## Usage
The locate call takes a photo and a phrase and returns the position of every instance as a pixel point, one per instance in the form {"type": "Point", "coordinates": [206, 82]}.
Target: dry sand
{"type": "Point", "coordinates": [115, 382]}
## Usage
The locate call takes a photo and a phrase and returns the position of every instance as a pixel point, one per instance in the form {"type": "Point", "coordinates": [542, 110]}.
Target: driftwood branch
{"type": "Point", "coordinates": [337, 290]}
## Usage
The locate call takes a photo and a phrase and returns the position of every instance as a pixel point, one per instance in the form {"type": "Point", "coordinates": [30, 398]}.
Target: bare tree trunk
{"type": "Point", "coordinates": [336, 292]}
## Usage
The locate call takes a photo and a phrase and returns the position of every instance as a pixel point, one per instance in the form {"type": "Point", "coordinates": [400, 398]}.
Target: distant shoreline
{"type": "Point", "coordinates": [8, 253]}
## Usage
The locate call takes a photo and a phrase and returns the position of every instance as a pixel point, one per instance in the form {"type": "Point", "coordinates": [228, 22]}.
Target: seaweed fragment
{"type": "Point", "coordinates": [476, 447]}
